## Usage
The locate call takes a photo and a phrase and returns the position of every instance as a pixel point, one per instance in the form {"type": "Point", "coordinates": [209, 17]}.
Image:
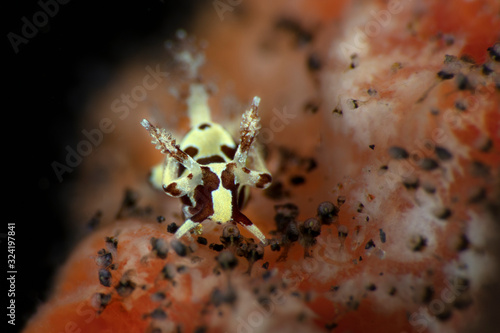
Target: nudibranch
{"type": "Point", "coordinates": [208, 171]}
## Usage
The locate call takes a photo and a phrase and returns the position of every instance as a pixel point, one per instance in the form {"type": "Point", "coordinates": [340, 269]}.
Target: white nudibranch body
{"type": "Point", "coordinates": [208, 171]}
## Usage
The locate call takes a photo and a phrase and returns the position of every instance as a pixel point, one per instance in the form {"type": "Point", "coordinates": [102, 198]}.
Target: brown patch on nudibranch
{"type": "Point", "coordinates": [264, 179]}
{"type": "Point", "coordinates": [203, 126]}
{"type": "Point", "coordinates": [204, 207]}
{"type": "Point", "coordinates": [228, 151]}
{"type": "Point", "coordinates": [210, 160]}
{"type": "Point", "coordinates": [191, 151]}
{"type": "Point", "coordinates": [172, 189]}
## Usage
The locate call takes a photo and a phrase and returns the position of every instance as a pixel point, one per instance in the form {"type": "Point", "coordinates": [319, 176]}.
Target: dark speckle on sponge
{"type": "Point", "coordinates": [216, 247]}
{"type": "Point", "coordinates": [160, 247]}
{"type": "Point", "coordinates": [398, 153]}
{"type": "Point", "coordinates": [172, 228]}
{"type": "Point", "coordinates": [158, 314]}
{"type": "Point", "coordinates": [428, 164]}
{"type": "Point", "coordinates": [179, 248]}
{"type": "Point", "coordinates": [382, 235]}
{"type": "Point", "coordinates": [443, 75]}
{"type": "Point", "coordinates": [417, 243]}
{"type": "Point", "coordinates": [297, 180]}
{"type": "Point", "coordinates": [411, 182]}
{"type": "Point", "coordinates": [327, 212]}
{"type": "Point", "coordinates": [443, 154]}
{"type": "Point", "coordinates": [227, 260]}
{"type": "Point", "coordinates": [202, 240]}
{"type": "Point", "coordinates": [125, 287]}
{"type": "Point", "coordinates": [442, 213]}
{"type": "Point", "coordinates": [370, 244]}
{"type": "Point", "coordinates": [105, 277]}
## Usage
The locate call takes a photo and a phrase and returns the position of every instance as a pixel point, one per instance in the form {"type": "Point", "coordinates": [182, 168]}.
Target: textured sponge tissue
{"type": "Point", "coordinates": [381, 128]}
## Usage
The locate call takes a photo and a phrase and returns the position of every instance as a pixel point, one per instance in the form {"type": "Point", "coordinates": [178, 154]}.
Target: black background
{"type": "Point", "coordinates": [46, 87]}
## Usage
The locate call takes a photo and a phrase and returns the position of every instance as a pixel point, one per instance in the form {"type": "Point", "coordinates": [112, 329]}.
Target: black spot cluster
{"type": "Point", "coordinates": [286, 227]}
{"type": "Point", "coordinates": [297, 166]}
{"type": "Point", "coordinates": [105, 262]}
{"type": "Point", "coordinates": [234, 244]}
{"type": "Point", "coordinates": [427, 163]}
{"type": "Point", "coordinates": [180, 248]}
{"type": "Point", "coordinates": [251, 251]}
{"type": "Point", "coordinates": [231, 237]}
{"type": "Point", "coordinates": [398, 153]}
{"type": "Point", "coordinates": [104, 258]}
{"type": "Point", "coordinates": [289, 230]}
{"type": "Point", "coordinates": [100, 301]}
{"type": "Point", "coordinates": [172, 228]}
{"type": "Point", "coordinates": [125, 286]}
{"type": "Point", "coordinates": [417, 243]}
{"type": "Point", "coordinates": [159, 247]}
{"type": "Point", "coordinates": [328, 212]}
{"type": "Point", "coordinates": [227, 260]}
{"type": "Point", "coordinates": [219, 297]}
{"type": "Point", "coordinates": [168, 272]}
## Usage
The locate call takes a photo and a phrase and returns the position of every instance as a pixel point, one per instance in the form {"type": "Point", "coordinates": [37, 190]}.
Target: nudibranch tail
{"type": "Point", "coordinates": [198, 109]}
